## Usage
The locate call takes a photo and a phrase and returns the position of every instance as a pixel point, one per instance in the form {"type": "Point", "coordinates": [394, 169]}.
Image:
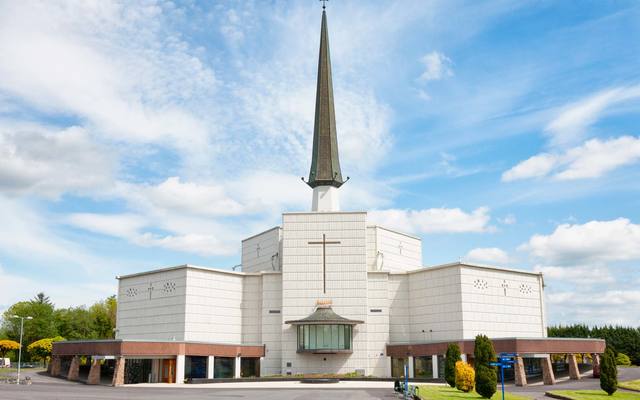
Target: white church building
{"type": "Point", "coordinates": [325, 292]}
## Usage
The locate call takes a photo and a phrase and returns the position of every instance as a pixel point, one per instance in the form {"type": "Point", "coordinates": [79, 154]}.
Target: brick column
{"type": "Point", "coordinates": [55, 366]}
{"type": "Point", "coordinates": [547, 371]}
{"type": "Point", "coordinates": [94, 373]}
{"type": "Point", "coordinates": [596, 364]}
{"type": "Point", "coordinates": [118, 372]}
{"type": "Point", "coordinates": [574, 372]}
{"type": "Point", "coordinates": [74, 369]}
{"type": "Point", "coordinates": [520, 375]}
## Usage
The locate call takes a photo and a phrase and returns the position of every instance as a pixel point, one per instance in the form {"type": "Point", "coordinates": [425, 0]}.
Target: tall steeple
{"type": "Point", "coordinates": [325, 175]}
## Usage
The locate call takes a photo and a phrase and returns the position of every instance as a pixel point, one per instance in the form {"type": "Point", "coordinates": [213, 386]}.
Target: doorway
{"type": "Point", "coordinates": [169, 371]}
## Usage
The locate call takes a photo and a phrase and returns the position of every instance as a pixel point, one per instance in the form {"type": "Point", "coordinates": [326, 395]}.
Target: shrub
{"type": "Point", "coordinates": [608, 372]}
{"type": "Point", "coordinates": [623, 359]}
{"type": "Point", "coordinates": [486, 376]}
{"type": "Point", "coordinates": [465, 376]}
{"type": "Point", "coordinates": [450, 366]}
{"type": "Point", "coordinates": [41, 349]}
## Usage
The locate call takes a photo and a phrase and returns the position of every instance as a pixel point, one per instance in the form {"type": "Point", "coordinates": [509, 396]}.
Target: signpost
{"type": "Point", "coordinates": [505, 360]}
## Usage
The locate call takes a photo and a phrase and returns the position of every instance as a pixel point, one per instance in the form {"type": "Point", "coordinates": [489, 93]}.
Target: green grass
{"type": "Point", "coordinates": [633, 385]}
{"type": "Point", "coordinates": [441, 392]}
{"type": "Point", "coordinates": [596, 395]}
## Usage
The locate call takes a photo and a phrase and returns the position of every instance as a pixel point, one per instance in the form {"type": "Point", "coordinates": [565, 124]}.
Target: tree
{"type": "Point", "coordinates": [465, 376]}
{"type": "Point", "coordinates": [623, 359]}
{"type": "Point", "coordinates": [41, 349]}
{"type": "Point", "coordinates": [42, 298]}
{"type": "Point", "coordinates": [41, 326]}
{"type": "Point", "coordinates": [7, 345]}
{"type": "Point", "coordinates": [452, 357]}
{"type": "Point", "coordinates": [103, 314]}
{"type": "Point", "coordinates": [486, 376]}
{"type": "Point", "coordinates": [608, 371]}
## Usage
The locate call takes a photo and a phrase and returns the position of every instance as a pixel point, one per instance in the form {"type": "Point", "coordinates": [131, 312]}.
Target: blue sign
{"type": "Point", "coordinates": [505, 361]}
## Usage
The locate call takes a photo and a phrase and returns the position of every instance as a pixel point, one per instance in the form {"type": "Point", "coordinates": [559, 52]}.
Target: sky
{"type": "Point", "coordinates": [138, 135]}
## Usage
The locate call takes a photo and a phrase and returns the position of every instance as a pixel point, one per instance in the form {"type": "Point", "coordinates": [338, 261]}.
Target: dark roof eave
{"type": "Point", "coordinates": [324, 322]}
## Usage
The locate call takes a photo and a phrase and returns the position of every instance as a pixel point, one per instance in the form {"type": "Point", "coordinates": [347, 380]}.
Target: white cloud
{"type": "Point", "coordinates": [592, 242]}
{"type": "Point", "coordinates": [592, 159]}
{"type": "Point", "coordinates": [40, 160]}
{"type": "Point", "coordinates": [434, 220]}
{"type": "Point", "coordinates": [605, 307]}
{"type": "Point", "coordinates": [489, 255]}
{"type": "Point", "coordinates": [577, 275]}
{"type": "Point", "coordinates": [118, 225]}
{"type": "Point", "coordinates": [509, 219]}
{"type": "Point", "coordinates": [437, 66]}
{"type": "Point", "coordinates": [573, 121]}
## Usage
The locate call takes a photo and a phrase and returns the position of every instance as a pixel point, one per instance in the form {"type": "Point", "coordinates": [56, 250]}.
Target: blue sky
{"type": "Point", "coordinates": [137, 135]}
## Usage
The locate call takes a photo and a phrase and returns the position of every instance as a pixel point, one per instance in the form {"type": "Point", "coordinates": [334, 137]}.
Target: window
{"type": "Point", "coordinates": [324, 338]}
{"type": "Point", "coordinates": [224, 367]}
{"type": "Point", "coordinates": [195, 367]}
{"type": "Point", "coordinates": [423, 367]}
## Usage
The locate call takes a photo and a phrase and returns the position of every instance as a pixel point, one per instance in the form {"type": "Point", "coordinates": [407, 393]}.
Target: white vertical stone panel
{"type": "Point", "coordinates": [151, 306]}
{"type": "Point", "coordinates": [251, 308]}
{"type": "Point", "coordinates": [378, 322]}
{"type": "Point", "coordinates": [435, 304]}
{"type": "Point", "coordinates": [262, 251]}
{"type": "Point", "coordinates": [302, 286]}
{"type": "Point", "coordinates": [501, 303]}
{"type": "Point", "coordinates": [399, 316]}
{"type": "Point", "coordinates": [271, 319]}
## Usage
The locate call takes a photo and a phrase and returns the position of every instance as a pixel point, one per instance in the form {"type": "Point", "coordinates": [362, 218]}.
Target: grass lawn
{"type": "Point", "coordinates": [596, 395]}
{"type": "Point", "coordinates": [438, 392]}
{"type": "Point", "coordinates": [634, 385]}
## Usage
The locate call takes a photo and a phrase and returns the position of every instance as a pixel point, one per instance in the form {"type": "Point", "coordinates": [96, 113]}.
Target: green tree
{"type": "Point", "coordinates": [42, 298]}
{"type": "Point", "coordinates": [103, 315]}
{"type": "Point", "coordinates": [608, 371]}
{"type": "Point", "coordinates": [41, 349]}
{"type": "Point", "coordinates": [7, 345]}
{"type": "Point", "coordinates": [74, 323]}
{"type": "Point", "coordinates": [486, 376]}
{"type": "Point", "coordinates": [42, 325]}
{"type": "Point", "coordinates": [452, 357]}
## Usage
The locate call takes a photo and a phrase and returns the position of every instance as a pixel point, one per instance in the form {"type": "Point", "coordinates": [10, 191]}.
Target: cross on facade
{"type": "Point", "coordinates": [258, 249]}
{"type": "Point", "coordinates": [505, 285]}
{"type": "Point", "coordinates": [324, 244]}
{"type": "Point", "coordinates": [400, 247]}
{"type": "Point", "coordinates": [150, 289]}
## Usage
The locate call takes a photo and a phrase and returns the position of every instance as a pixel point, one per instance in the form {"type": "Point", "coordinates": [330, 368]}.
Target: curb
{"type": "Point", "coordinates": [557, 396]}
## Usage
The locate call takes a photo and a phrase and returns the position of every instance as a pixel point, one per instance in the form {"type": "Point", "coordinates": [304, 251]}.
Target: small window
{"type": "Point", "coordinates": [274, 311]}
{"type": "Point", "coordinates": [376, 310]}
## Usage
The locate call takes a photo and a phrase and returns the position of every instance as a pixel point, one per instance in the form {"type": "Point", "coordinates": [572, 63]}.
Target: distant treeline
{"type": "Point", "coordinates": [623, 339]}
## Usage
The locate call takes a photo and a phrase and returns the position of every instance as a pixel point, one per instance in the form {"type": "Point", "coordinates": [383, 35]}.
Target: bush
{"type": "Point", "coordinates": [623, 359]}
{"type": "Point", "coordinates": [465, 376]}
{"type": "Point", "coordinates": [486, 376]}
{"type": "Point", "coordinates": [41, 349]}
{"type": "Point", "coordinates": [450, 366]}
{"type": "Point", "coordinates": [608, 372]}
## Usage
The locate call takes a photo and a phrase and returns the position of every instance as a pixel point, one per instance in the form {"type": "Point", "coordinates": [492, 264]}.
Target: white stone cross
{"type": "Point", "coordinates": [258, 248]}
{"type": "Point", "coordinates": [505, 285]}
{"type": "Point", "coordinates": [400, 247]}
{"type": "Point", "coordinates": [150, 289]}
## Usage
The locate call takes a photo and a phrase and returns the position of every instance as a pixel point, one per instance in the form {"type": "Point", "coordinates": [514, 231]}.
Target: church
{"type": "Point", "coordinates": [325, 292]}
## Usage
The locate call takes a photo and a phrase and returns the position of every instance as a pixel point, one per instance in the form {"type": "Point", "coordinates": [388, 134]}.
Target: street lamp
{"type": "Point", "coordinates": [20, 350]}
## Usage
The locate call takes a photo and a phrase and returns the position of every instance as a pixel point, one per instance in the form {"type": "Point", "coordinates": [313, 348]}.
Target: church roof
{"type": "Point", "coordinates": [325, 164]}
{"type": "Point", "coordinates": [324, 315]}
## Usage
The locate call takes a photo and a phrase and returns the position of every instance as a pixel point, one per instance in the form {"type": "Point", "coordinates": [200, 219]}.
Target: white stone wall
{"type": "Point", "coordinates": [501, 303]}
{"type": "Point", "coordinates": [156, 314]}
{"type": "Point", "coordinates": [251, 308]}
{"type": "Point", "coordinates": [213, 306]}
{"type": "Point", "coordinates": [272, 324]}
{"type": "Point", "coordinates": [262, 251]}
{"type": "Point", "coordinates": [378, 322]}
{"type": "Point", "coordinates": [399, 315]}
{"type": "Point", "coordinates": [302, 284]}
{"type": "Point", "coordinates": [396, 252]}
{"type": "Point", "coordinates": [435, 304]}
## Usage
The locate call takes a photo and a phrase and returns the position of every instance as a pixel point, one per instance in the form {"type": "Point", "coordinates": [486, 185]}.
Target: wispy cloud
{"type": "Point", "coordinates": [434, 220]}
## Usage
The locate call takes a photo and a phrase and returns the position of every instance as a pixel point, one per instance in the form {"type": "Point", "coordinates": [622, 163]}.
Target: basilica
{"type": "Point", "coordinates": [326, 291]}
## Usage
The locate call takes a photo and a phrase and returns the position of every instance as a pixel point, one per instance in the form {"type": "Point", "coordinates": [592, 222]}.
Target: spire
{"type": "Point", "coordinates": [325, 165]}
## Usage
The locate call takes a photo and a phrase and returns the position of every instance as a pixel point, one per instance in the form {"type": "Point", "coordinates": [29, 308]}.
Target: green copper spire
{"type": "Point", "coordinates": [325, 164]}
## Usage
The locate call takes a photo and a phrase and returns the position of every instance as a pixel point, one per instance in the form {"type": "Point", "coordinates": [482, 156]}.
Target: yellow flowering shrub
{"type": "Point", "coordinates": [465, 376]}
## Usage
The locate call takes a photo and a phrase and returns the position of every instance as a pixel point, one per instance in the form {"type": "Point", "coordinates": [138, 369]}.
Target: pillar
{"type": "Point", "coordinates": [118, 372]}
{"type": "Point", "coordinates": [434, 364]}
{"type": "Point", "coordinates": [211, 361]}
{"type": "Point", "coordinates": [387, 368]}
{"type": "Point", "coordinates": [237, 365]}
{"type": "Point", "coordinates": [411, 366]}
{"type": "Point", "coordinates": [55, 366]}
{"type": "Point", "coordinates": [463, 357]}
{"type": "Point", "coordinates": [519, 372]}
{"type": "Point", "coordinates": [180, 364]}
{"type": "Point", "coordinates": [595, 360]}
{"type": "Point", "coordinates": [547, 371]}
{"type": "Point", "coordinates": [74, 369]}
{"type": "Point", "coordinates": [94, 372]}
{"type": "Point", "coordinates": [574, 372]}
